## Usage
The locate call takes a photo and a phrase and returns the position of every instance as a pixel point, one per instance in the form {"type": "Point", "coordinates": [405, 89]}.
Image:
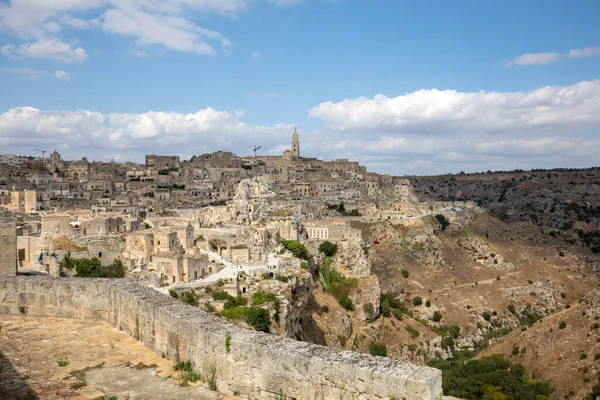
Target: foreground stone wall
{"type": "Point", "coordinates": [258, 366]}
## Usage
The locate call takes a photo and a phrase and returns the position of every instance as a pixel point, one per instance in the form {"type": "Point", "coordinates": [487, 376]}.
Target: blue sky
{"type": "Point", "coordinates": [118, 79]}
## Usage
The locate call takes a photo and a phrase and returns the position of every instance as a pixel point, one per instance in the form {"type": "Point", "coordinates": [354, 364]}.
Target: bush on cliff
{"type": "Point", "coordinates": [328, 248]}
{"type": "Point", "coordinates": [259, 319]}
{"type": "Point", "coordinates": [297, 248]}
{"type": "Point", "coordinates": [92, 267]}
{"type": "Point", "coordinates": [491, 377]}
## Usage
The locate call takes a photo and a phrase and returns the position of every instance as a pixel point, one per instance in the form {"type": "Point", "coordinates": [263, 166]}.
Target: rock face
{"type": "Point", "coordinates": [251, 201]}
{"type": "Point", "coordinates": [366, 298]}
{"type": "Point", "coordinates": [254, 365]}
{"type": "Point", "coordinates": [482, 253]}
{"type": "Point", "coordinates": [351, 261]}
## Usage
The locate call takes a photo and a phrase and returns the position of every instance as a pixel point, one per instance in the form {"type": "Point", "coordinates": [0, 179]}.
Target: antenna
{"type": "Point", "coordinates": [41, 151]}
{"type": "Point", "coordinates": [255, 149]}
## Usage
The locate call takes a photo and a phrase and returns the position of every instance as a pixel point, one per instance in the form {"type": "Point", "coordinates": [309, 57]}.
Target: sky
{"type": "Point", "coordinates": [405, 87]}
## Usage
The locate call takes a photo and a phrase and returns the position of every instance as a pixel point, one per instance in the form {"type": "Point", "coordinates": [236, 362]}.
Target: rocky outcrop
{"type": "Point", "coordinates": [351, 261]}
{"type": "Point", "coordinates": [366, 298]}
{"type": "Point", "coordinates": [482, 253]}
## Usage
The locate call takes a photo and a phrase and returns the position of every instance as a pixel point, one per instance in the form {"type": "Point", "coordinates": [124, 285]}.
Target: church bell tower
{"type": "Point", "coordinates": [296, 144]}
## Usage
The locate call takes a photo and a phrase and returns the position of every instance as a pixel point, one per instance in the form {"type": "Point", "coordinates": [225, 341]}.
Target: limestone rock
{"type": "Point", "coordinates": [351, 260]}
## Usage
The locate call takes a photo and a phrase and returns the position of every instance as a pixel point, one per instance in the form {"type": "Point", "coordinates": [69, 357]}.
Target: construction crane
{"type": "Point", "coordinates": [255, 149]}
{"type": "Point", "coordinates": [43, 153]}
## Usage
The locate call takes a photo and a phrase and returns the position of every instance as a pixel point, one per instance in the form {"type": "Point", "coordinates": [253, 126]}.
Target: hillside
{"type": "Point", "coordinates": [456, 291]}
{"type": "Point", "coordinates": [567, 356]}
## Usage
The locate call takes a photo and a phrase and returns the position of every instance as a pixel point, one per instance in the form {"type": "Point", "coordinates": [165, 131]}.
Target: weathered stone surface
{"type": "Point", "coordinates": [351, 261]}
{"type": "Point", "coordinates": [257, 366]}
{"type": "Point", "coordinates": [8, 245]}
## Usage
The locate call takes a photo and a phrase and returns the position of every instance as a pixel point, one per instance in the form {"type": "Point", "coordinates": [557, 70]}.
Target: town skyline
{"type": "Point", "coordinates": [407, 88]}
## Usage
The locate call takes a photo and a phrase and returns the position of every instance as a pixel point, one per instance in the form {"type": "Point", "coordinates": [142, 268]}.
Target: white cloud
{"type": "Point", "coordinates": [50, 49]}
{"type": "Point", "coordinates": [425, 132]}
{"type": "Point", "coordinates": [256, 56]}
{"type": "Point", "coordinates": [435, 112]}
{"type": "Point", "coordinates": [535, 59]}
{"type": "Point", "coordinates": [64, 75]}
{"type": "Point", "coordinates": [172, 32]}
{"type": "Point", "coordinates": [94, 133]}
{"type": "Point", "coordinates": [34, 73]}
{"type": "Point", "coordinates": [150, 22]}
{"type": "Point", "coordinates": [586, 52]}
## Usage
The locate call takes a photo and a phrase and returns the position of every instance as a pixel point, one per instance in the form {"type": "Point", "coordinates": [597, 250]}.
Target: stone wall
{"type": "Point", "coordinates": [8, 245]}
{"type": "Point", "coordinates": [258, 365]}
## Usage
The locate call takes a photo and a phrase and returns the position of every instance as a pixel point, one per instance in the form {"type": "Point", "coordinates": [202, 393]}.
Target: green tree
{"type": "Point", "coordinates": [443, 221]}
{"type": "Point", "coordinates": [87, 268]}
{"type": "Point", "coordinates": [328, 248]}
{"type": "Point", "coordinates": [259, 319]}
{"type": "Point", "coordinates": [297, 248]}
{"type": "Point", "coordinates": [417, 301]}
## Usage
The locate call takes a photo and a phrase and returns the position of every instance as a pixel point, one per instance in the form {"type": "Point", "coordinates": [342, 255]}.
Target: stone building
{"type": "Point", "coordinates": [177, 267]}
{"type": "Point", "coordinates": [332, 230]}
{"type": "Point", "coordinates": [25, 201]}
{"type": "Point", "coordinates": [162, 162]}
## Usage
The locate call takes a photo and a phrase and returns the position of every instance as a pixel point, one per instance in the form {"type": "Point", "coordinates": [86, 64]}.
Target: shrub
{"type": "Point", "coordinates": [267, 275]}
{"type": "Point", "coordinates": [562, 325]}
{"type": "Point", "coordinates": [428, 304]}
{"type": "Point", "coordinates": [173, 294]}
{"type": "Point", "coordinates": [437, 316]}
{"type": "Point", "coordinates": [220, 295]}
{"type": "Point", "coordinates": [583, 356]}
{"type": "Point", "coordinates": [297, 248]}
{"type": "Point", "coordinates": [188, 374]}
{"type": "Point", "coordinates": [515, 350]}
{"type": "Point", "coordinates": [486, 315]}
{"type": "Point", "coordinates": [328, 248]}
{"type": "Point", "coordinates": [259, 319]}
{"type": "Point", "coordinates": [412, 331]}
{"type": "Point", "coordinates": [397, 314]}
{"type": "Point", "coordinates": [304, 265]}
{"type": "Point", "coordinates": [511, 308]}
{"type": "Point", "coordinates": [560, 253]}
{"type": "Point", "coordinates": [347, 303]}
{"type": "Point", "coordinates": [417, 301]}
{"type": "Point", "coordinates": [334, 283]}
{"type": "Point", "coordinates": [405, 273]}
{"type": "Point", "coordinates": [377, 349]}
{"type": "Point", "coordinates": [62, 363]}
{"type": "Point", "coordinates": [262, 296]}
{"type": "Point", "coordinates": [443, 221]}
{"type": "Point", "coordinates": [491, 377]}
{"type": "Point", "coordinates": [188, 297]}
{"type": "Point", "coordinates": [228, 342]}
{"type": "Point", "coordinates": [342, 338]}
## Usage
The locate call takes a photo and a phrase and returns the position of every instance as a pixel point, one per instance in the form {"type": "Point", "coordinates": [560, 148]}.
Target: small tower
{"type": "Point", "coordinates": [296, 143]}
